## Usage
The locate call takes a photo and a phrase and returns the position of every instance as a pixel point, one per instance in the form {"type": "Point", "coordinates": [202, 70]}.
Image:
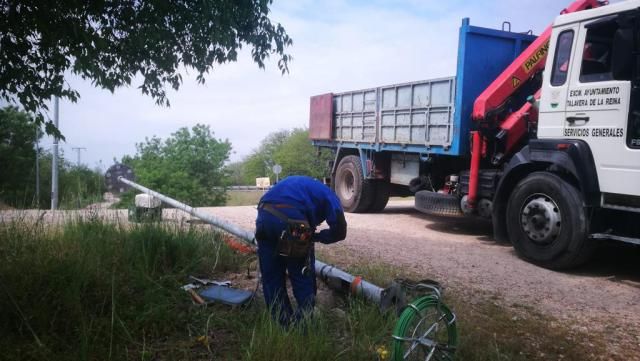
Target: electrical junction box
{"type": "Point", "coordinates": [147, 201]}
{"type": "Point", "coordinates": [147, 209]}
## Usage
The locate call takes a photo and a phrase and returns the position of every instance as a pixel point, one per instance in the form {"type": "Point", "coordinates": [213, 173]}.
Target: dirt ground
{"type": "Point", "coordinates": [601, 297]}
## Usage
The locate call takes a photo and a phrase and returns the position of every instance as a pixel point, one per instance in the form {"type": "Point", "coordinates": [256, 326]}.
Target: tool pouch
{"type": "Point", "coordinates": [295, 241]}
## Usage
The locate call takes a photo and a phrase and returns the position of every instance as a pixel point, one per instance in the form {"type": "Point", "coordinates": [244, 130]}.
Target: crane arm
{"type": "Point", "coordinates": [523, 68]}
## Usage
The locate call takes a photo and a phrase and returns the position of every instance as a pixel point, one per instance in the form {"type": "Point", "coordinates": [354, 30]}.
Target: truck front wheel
{"type": "Point", "coordinates": [547, 223]}
{"type": "Point", "coordinates": [355, 193]}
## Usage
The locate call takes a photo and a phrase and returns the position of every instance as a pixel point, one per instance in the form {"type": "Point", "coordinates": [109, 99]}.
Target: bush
{"type": "Point", "coordinates": [187, 166]}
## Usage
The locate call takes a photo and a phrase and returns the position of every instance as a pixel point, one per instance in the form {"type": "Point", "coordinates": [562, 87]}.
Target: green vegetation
{"type": "Point", "coordinates": [243, 198]}
{"type": "Point", "coordinates": [91, 290]}
{"type": "Point", "coordinates": [113, 43]}
{"type": "Point", "coordinates": [291, 149]}
{"type": "Point", "coordinates": [187, 166]}
{"type": "Point", "coordinates": [78, 185]}
{"type": "Point", "coordinates": [17, 156]}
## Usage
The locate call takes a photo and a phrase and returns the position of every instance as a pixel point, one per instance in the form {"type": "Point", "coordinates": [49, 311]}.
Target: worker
{"type": "Point", "coordinates": [288, 215]}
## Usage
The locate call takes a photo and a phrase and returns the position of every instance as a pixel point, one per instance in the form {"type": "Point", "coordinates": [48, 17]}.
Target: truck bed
{"type": "Point", "coordinates": [414, 113]}
{"type": "Point", "coordinates": [424, 117]}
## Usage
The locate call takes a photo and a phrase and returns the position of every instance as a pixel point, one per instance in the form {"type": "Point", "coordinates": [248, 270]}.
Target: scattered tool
{"type": "Point", "coordinates": [190, 288]}
{"type": "Point", "coordinates": [205, 282]}
{"type": "Point", "coordinates": [211, 291]}
{"type": "Point", "coordinates": [226, 295]}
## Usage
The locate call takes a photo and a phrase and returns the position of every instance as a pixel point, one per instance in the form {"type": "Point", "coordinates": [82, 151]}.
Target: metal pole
{"type": "Point", "coordinates": [38, 167]}
{"type": "Point", "coordinates": [54, 159]}
{"type": "Point", "coordinates": [243, 234]}
{"type": "Point", "coordinates": [350, 283]}
{"type": "Point", "coordinates": [78, 150]}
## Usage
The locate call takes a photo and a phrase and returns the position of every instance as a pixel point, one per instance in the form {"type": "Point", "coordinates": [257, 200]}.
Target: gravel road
{"type": "Point", "coordinates": [603, 296]}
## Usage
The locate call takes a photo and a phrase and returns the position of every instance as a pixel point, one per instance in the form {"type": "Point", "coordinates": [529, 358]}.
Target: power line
{"type": "Point", "coordinates": [78, 150]}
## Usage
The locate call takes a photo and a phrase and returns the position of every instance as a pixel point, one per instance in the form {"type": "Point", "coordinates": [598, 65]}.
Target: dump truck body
{"type": "Point", "coordinates": [423, 117]}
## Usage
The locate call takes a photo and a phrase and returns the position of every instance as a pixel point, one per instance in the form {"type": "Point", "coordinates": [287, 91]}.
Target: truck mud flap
{"type": "Point", "coordinates": [438, 204]}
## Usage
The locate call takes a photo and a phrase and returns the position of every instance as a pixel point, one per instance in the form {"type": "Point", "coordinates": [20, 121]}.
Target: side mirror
{"type": "Point", "coordinates": [622, 54]}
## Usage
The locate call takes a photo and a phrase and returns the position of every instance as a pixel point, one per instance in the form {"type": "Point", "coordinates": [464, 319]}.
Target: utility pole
{"type": "Point", "coordinates": [38, 167]}
{"type": "Point", "coordinates": [54, 162]}
{"type": "Point", "coordinates": [78, 150]}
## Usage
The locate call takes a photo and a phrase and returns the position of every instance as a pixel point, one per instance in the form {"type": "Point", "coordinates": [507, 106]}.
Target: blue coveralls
{"type": "Point", "coordinates": [302, 198]}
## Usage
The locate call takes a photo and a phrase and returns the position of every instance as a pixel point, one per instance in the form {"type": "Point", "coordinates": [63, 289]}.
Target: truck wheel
{"type": "Point", "coordinates": [354, 192]}
{"type": "Point", "coordinates": [382, 190]}
{"type": "Point", "coordinates": [547, 223]}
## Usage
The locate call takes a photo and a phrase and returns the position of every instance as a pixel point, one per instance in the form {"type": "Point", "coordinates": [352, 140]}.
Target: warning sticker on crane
{"type": "Point", "coordinates": [536, 58]}
{"type": "Point", "coordinates": [515, 82]}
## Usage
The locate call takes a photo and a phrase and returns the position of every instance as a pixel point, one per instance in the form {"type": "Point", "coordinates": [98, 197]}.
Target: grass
{"type": "Point", "coordinates": [91, 290]}
{"type": "Point", "coordinates": [74, 202]}
{"type": "Point", "coordinates": [243, 198]}
{"type": "Point", "coordinates": [65, 202]}
{"type": "Point", "coordinates": [4, 207]}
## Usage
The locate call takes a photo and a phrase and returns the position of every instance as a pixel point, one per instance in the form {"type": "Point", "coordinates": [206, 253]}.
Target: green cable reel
{"type": "Point", "coordinates": [426, 330]}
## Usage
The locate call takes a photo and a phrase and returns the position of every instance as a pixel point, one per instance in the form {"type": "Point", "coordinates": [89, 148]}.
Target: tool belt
{"type": "Point", "coordinates": [296, 239]}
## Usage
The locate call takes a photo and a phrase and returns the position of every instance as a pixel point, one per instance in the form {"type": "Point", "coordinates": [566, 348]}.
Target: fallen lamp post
{"type": "Point", "coordinates": [426, 328]}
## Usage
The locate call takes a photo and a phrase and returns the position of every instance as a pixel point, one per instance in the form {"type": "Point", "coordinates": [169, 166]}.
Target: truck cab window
{"type": "Point", "coordinates": [633, 127]}
{"type": "Point", "coordinates": [562, 57]}
{"type": "Point", "coordinates": [596, 55]}
{"type": "Point", "coordinates": [633, 131]}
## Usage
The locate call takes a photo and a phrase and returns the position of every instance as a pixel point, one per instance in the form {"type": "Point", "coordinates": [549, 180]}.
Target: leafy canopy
{"type": "Point", "coordinates": [17, 154]}
{"type": "Point", "coordinates": [187, 166]}
{"type": "Point", "coordinates": [289, 148]}
{"type": "Point", "coordinates": [112, 41]}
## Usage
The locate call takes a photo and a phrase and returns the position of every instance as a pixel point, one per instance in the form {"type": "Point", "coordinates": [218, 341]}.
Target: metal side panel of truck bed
{"type": "Point", "coordinates": [424, 117]}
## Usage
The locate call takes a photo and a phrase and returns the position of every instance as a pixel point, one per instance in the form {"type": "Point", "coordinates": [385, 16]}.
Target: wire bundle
{"type": "Point", "coordinates": [411, 320]}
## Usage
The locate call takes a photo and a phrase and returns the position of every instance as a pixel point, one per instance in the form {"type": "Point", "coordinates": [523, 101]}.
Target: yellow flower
{"type": "Point", "coordinates": [203, 340]}
{"type": "Point", "coordinates": [383, 354]}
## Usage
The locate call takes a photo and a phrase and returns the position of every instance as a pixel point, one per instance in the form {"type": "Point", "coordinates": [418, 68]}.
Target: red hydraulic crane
{"type": "Point", "coordinates": [492, 109]}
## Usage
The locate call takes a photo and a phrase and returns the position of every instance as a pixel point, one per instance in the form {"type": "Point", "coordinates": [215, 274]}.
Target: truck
{"type": "Point", "coordinates": [540, 134]}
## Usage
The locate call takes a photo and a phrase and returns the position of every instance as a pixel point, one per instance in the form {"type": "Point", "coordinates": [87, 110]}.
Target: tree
{"type": "Point", "coordinates": [235, 173]}
{"type": "Point", "coordinates": [298, 156]}
{"type": "Point", "coordinates": [187, 166]}
{"type": "Point", "coordinates": [260, 162]}
{"type": "Point", "coordinates": [78, 186]}
{"type": "Point", "coordinates": [111, 42]}
{"type": "Point", "coordinates": [18, 136]}
{"type": "Point", "coordinates": [292, 150]}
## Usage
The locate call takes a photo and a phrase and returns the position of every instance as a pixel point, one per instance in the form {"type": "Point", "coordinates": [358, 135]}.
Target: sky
{"type": "Point", "coordinates": [338, 45]}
